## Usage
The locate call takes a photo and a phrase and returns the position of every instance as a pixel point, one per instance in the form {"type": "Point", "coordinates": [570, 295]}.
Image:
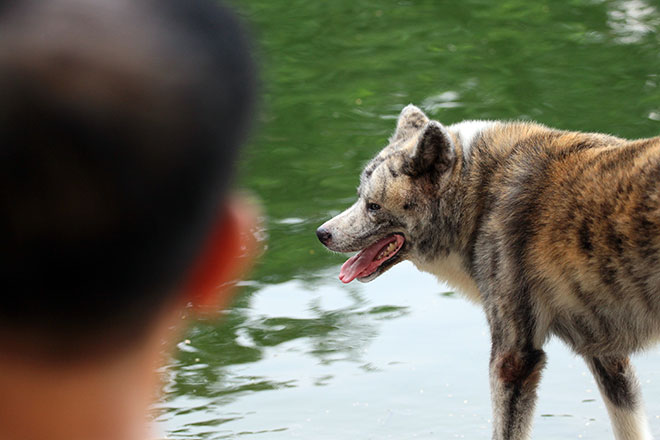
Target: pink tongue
{"type": "Point", "coordinates": [363, 263]}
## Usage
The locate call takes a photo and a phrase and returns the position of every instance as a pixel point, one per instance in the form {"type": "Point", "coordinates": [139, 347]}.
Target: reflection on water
{"type": "Point", "coordinates": [398, 358]}
{"type": "Point", "coordinates": [302, 356]}
{"type": "Point", "coordinates": [378, 361]}
{"type": "Point", "coordinates": [632, 20]}
{"type": "Point", "coordinates": [336, 364]}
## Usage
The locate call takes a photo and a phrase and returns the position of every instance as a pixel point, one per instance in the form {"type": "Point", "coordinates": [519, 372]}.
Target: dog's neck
{"type": "Point", "coordinates": [464, 201]}
{"type": "Point", "coordinates": [465, 197]}
{"type": "Point", "coordinates": [466, 133]}
{"type": "Point", "coordinates": [465, 185]}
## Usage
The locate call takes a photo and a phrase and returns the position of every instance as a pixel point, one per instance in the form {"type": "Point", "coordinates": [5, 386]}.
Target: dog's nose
{"type": "Point", "coordinates": [324, 235]}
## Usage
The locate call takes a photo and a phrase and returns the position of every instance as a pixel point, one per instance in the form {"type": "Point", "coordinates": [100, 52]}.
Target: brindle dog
{"type": "Point", "coordinates": [552, 232]}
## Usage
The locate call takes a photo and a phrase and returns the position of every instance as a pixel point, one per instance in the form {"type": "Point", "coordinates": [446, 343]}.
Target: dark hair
{"type": "Point", "coordinates": [119, 127]}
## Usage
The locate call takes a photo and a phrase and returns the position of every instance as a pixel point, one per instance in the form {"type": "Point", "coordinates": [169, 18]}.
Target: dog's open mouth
{"type": "Point", "coordinates": [367, 261]}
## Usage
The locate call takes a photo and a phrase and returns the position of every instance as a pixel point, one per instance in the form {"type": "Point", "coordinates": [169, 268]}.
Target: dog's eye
{"type": "Point", "coordinates": [373, 207]}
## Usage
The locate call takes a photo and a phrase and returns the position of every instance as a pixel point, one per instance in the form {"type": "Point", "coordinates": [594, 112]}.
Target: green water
{"type": "Point", "coordinates": [301, 356]}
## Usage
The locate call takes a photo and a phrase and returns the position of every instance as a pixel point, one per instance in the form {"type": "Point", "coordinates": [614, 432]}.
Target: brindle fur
{"type": "Point", "coordinates": [553, 232]}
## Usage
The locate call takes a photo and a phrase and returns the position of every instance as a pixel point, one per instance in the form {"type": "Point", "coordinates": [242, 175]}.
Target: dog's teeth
{"type": "Point", "coordinates": [387, 251]}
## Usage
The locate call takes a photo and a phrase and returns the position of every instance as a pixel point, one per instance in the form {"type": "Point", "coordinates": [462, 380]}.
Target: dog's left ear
{"type": "Point", "coordinates": [434, 151]}
{"type": "Point", "coordinates": [410, 121]}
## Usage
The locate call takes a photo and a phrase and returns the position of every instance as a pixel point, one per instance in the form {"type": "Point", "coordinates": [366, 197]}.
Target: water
{"type": "Point", "coordinates": [301, 356]}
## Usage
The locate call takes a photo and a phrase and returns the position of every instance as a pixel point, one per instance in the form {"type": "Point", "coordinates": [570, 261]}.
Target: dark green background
{"type": "Point", "coordinates": [335, 75]}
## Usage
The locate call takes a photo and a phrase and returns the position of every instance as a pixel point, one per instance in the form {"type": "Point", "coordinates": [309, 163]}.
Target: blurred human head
{"type": "Point", "coordinates": [120, 122]}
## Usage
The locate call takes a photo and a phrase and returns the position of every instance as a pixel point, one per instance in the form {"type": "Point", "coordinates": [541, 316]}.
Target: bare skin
{"type": "Point", "coordinates": [106, 397]}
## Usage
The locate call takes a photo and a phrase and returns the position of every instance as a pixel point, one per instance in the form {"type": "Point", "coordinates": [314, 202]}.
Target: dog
{"type": "Point", "coordinates": [552, 232]}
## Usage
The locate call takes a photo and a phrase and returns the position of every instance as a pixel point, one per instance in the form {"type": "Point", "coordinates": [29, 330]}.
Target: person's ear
{"type": "Point", "coordinates": [227, 254]}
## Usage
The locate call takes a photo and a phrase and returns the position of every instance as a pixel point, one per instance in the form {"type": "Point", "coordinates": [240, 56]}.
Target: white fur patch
{"type": "Point", "coordinates": [628, 424]}
{"type": "Point", "coordinates": [450, 270]}
{"type": "Point", "coordinates": [467, 131]}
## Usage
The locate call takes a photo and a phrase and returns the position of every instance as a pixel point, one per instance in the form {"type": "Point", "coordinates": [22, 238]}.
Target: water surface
{"type": "Point", "coordinates": [301, 356]}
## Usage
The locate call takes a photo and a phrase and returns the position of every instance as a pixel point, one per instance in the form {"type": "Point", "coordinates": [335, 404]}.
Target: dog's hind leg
{"type": "Point", "coordinates": [620, 390]}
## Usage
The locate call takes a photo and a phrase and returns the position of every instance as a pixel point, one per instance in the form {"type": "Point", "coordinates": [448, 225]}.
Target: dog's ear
{"type": "Point", "coordinates": [434, 151]}
{"type": "Point", "coordinates": [411, 120]}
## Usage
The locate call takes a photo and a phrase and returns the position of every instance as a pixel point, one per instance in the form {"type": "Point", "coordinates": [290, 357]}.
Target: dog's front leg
{"type": "Point", "coordinates": [516, 362]}
{"type": "Point", "coordinates": [620, 390]}
{"type": "Point", "coordinates": [514, 376]}
{"type": "Point", "coordinates": [516, 359]}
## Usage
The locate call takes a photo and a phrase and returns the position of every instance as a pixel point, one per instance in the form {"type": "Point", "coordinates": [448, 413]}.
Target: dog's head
{"type": "Point", "coordinates": [398, 201]}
